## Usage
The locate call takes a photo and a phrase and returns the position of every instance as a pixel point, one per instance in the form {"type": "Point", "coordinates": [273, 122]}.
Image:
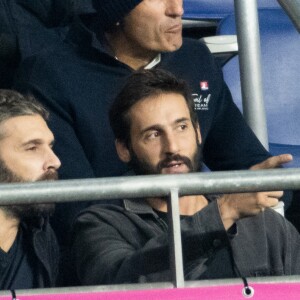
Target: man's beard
{"type": "Point", "coordinates": [141, 167]}
{"type": "Point", "coordinates": [25, 211]}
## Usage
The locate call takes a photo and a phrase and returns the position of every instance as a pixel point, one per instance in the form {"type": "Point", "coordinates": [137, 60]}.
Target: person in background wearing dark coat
{"type": "Point", "coordinates": [29, 254]}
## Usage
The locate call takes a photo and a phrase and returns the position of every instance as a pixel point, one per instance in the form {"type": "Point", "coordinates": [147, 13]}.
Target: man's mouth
{"type": "Point", "coordinates": [175, 29]}
{"type": "Point", "coordinates": [174, 167]}
{"type": "Point", "coordinates": [174, 164]}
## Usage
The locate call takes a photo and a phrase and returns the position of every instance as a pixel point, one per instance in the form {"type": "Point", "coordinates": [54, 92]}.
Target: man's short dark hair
{"type": "Point", "coordinates": [14, 104]}
{"type": "Point", "coordinates": [140, 85]}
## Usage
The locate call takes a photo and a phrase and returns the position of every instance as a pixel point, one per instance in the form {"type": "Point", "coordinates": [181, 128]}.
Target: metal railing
{"type": "Point", "coordinates": [148, 186]}
{"type": "Point", "coordinates": [171, 186]}
{"type": "Point", "coordinates": [250, 67]}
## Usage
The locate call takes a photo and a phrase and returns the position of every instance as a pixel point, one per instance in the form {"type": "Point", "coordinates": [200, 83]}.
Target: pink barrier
{"type": "Point", "coordinates": [262, 291]}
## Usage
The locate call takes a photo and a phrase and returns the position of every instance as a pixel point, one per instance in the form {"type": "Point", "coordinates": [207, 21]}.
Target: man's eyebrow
{"type": "Point", "coordinates": [158, 126]}
{"type": "Point", "coordinates": [36, 142]}
{"type": "Point", "coordinates": [151, 127]}
{"type": "Point", "coordinates": [184, 119]}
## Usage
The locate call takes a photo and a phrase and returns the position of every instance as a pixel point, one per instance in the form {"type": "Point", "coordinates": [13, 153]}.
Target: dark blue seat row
{"type": "Point", "coordinates": [217, 9]}
{"type": "Point", "coordinates": [280, 49]}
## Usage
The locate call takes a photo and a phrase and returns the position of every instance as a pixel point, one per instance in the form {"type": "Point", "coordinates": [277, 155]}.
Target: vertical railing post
{"type": "Point", "coordinates": [292, 8]}
{"type": "Point", "coordinates": [247, 27]}
{"type": "Point", "coordinates": [175, 246]}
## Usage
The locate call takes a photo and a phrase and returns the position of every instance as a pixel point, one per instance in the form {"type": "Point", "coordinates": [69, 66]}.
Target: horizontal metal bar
{"type": "Point", "coordinates": [149, 286]}
{"type": "Point", "coordinates": [147, 186]}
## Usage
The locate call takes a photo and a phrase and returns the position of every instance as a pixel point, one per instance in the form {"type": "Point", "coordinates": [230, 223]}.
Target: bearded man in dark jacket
{"type": "Point", "coordinates": [29, 253]}
{"type": "Point", "coordinates": [157, 132]}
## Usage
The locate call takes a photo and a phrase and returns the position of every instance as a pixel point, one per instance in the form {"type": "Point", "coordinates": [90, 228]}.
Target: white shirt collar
{"type": "Point", "coordinates": [154, 62]}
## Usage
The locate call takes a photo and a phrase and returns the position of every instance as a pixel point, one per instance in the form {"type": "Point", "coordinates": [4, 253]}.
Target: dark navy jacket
{"type": "Point", "coordinates": [27, 27]}
{"type": "Point", "coordinates": [78, 81]}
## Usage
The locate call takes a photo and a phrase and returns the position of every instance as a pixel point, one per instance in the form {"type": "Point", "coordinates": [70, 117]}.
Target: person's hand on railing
{"type": "Point", "coordinates": [233, 207]}
{"type": "Point", "coordinates": [273, 162]}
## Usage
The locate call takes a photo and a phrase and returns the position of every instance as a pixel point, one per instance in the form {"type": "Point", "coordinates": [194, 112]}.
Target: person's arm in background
{"type": "Point", "coordinates": [231, 144]}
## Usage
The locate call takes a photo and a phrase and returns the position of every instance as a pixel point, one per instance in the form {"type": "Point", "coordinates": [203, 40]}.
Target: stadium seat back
{"type": "Point", "coordinates": [280, 59]}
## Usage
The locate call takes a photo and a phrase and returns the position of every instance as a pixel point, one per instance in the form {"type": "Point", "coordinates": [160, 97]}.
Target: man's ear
{"type": "Point", "coordinates": [122, 150]}
{"type": "Point", "coordinates": [198, 133]}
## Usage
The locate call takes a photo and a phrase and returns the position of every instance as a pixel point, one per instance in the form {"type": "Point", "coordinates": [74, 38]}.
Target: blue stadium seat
{"type": "Point", "coordinates": [217, 9]}
{"type": "Point", "coordinates": [280, 49]}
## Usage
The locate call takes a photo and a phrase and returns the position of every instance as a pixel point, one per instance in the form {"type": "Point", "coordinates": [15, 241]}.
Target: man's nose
{"type": "Point", "coordinates": [171, 145]}
{"type": "Point", "coordinates": [174, 8]}
{"type": "Point", "coordinates": [52, 161]}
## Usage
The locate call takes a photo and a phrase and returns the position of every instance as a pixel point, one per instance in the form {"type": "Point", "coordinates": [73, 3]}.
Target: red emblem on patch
{"type": "Point", "coordinates": [204, 85]}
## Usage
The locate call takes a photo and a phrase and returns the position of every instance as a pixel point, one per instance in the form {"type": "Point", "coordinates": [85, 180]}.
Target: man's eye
{"type": "Point", "coordinates": [33, 148]}
{"type": "Point", "coordinates": [182, 126]}
{"type": "Point", "coordinates": [152, 135]}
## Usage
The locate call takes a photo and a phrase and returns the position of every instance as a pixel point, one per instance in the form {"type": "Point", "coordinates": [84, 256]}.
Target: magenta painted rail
{"type": "Point", "coordinates": [262, 291]}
